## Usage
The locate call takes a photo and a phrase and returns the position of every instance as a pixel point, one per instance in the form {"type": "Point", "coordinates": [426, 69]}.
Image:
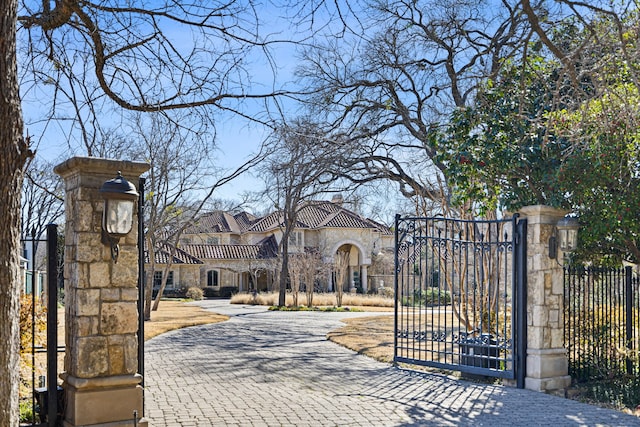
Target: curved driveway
{"type": "Point", "coordinates": [265, 368]}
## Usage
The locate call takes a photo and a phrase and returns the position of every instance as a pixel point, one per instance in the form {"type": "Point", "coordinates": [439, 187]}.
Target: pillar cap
{"type": "Point", "coordinates": [542, 214]}
{"type": "Point", "coordinates": [100, 166]}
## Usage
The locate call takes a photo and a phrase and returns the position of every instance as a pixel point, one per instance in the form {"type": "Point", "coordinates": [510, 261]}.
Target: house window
{"type": "Point", "coordinates": [213, 241]}
{"type": "Point", "coordinates": [212, 278]}
{"type": "Point", "coordinates": [157, 280]}
{"type": "Point", "coordinates": [295, 238]}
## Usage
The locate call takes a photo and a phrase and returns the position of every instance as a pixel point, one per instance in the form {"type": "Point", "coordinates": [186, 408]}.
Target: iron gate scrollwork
{"type": "Point", "coordinates": [460, 295]}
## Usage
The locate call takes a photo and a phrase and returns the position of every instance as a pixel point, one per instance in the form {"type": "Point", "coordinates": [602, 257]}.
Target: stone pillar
{"type": "Point", "coordinates": [100, 379]}
{"type": "Point", "coordinates": [364, 279]}
{"type": "Point", "coordinates": [547, 364]}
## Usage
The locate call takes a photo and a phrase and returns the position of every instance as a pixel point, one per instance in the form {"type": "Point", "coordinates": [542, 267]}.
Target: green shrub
{"type": "Point", "coordinates": [621, 392]}
{"type": "Point", "coordinates": [228, 291]}
{"type": "Point", "coordinates": [175, 293]}
{"type": "Point", "coordinates": [596, 343]}
{"type": "Point", "coordinates": [26, 411]}
{"type": "Point", "coordinates": [428, 297]}
{"type": "Point", "coordinates": [194, 294]}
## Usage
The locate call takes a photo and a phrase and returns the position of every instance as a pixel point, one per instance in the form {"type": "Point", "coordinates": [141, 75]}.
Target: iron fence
{"type": "Point", "coordinates": [602, 322]}
{"type": "Point", "coordinates": [39, 336]}
{"type": "Point", "coordinates": [458, 287]}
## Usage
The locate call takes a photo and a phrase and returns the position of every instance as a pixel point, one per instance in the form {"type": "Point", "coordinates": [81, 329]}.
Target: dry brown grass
{"type": "Point", "coordinates": [173, 315]}
{"type": "Point", "coordinates": [371, 336]}
{"type": "Point", "coordinates": [371, 302]}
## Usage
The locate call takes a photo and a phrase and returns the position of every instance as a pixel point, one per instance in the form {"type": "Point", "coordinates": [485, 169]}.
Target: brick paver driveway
{"type": "Point", "coordinates": [277, 369]}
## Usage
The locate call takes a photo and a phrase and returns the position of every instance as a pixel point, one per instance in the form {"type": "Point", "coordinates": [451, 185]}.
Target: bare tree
{"type": "Point", "coordinates": [15, 153]}
{"type": "Point", "coordinates": [42, 198]}
{"type": "Point", "coordinates": [275, 268]}
{"type": "Point", "coordinates": [42, 204]}
{"type": "Point", "coordinates": [312, 267]}
{"type": "Point", "coordinates": [297, 169]}
{"type": "Point", "coordinates": [181, 165]}
{"type": "Point", "coordinates": [341, 266]}
{"type": "Point", "coordinates": [303, 269]}
{"type": "Point", "coordinates": [391, 73]}
{"type": "Point", "coordinates": [138, 57]}
{"type": "Point", "coordinates": [296, 272]}
{"type": "Point", "coordinates": [399, 70]}
{"type": "Point", "coordinates": [180, 217]}
{"type": "Point", "coordinates": [142, 57]}
{"type": "Point", "coordinates": [255, 267]}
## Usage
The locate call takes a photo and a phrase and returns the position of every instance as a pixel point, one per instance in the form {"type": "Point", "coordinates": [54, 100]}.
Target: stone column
{"type": "Point", "coordinates": [547, 364]}
{"type": "Point", "coordinates": [100, 379]}
{"type": "Point", "coordinates": [364, 279]}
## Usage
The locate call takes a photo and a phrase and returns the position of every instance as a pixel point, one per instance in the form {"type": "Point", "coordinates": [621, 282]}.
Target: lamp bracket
{"type": "Point", "coordinates": [113, 243]}
{"type": "Point", "coordinates": [553, 245]}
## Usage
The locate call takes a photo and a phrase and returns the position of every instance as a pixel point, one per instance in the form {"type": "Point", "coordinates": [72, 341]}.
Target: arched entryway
{"type": "Point", "coordinates": [357, 263]}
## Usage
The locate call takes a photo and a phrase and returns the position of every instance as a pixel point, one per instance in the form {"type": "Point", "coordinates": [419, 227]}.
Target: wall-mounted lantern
{"type": "Point", "coordinates": [565, 236]}
{"type": "Point", "coordinates": [117, 217]}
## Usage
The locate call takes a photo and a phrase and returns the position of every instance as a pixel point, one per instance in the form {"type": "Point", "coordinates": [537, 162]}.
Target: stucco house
{"type": "Point", "coordinates": [240, 251]}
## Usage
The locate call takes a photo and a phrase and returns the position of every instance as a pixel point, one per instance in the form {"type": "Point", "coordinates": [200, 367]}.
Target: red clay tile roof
{"type": "Point", "coordinates": [215, 222]}
{"type": "Point", "coordinates": [194, 254]}
{"type": "Point", "coordinates": [163, 254]}
{"type": "Point", "coordinates": [224, 251]}
{"type": "Point", "coordinates": [267, 248]}
{"type": "Point", "coordinates": [320, 214]}
{"type": "Point", "coordinates": [222, 222]}
{"type": "Point", "coordinates": [245, 220]}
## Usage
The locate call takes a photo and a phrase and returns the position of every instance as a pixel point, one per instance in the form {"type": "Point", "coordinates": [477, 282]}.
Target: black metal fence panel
{"type": "Point", "coordinates": [602, 322]}
{"type": "Point", "coordinates": [456, 288]}
{"type": "Point", "coordinates": [39, 333]}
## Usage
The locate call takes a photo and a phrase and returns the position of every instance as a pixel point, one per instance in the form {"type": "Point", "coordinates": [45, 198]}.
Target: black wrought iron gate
{"type": "Point", "coordinates": [39, 334]}
{"type": "Point", "coordinates": [460, 291]}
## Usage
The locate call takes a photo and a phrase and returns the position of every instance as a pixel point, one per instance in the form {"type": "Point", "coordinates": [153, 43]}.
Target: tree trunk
{"type": "Point", "coordinates": [13, 155]}
{"type": "Point", "coordinates": [310, 275]}
{"type": "Point", "coordinates": [284, 274]}
{"type": "Point", "coordinates": [342, 264]}
{"type": "Point", "coordinates": [163, 284]}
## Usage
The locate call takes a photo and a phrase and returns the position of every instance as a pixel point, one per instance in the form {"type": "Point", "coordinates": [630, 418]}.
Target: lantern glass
{"type": "Point", "coordinates": [568, 240]}
{"type": "Point", "coordinates": [568, 234]}
{"type": "Point", "coordinates": [118, 218]}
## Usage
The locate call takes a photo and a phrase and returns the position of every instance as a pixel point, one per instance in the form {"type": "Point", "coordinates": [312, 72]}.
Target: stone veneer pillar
{"type": "Point", "coordinates": [363, 279]}
{"type": "Point", "coordinates": [100, 379]}
{"type": "Point", "coordinates": [547, 364]}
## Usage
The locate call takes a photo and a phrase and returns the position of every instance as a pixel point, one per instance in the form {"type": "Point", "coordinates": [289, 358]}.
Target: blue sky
{"type": "Point", "coordinates": [236, 138]}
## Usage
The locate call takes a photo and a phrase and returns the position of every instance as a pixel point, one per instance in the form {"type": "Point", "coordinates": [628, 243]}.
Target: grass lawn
{"type": "Point", "coordinates": [371, 336]}
{"type": "Point", "coordinates": [175, 314]}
